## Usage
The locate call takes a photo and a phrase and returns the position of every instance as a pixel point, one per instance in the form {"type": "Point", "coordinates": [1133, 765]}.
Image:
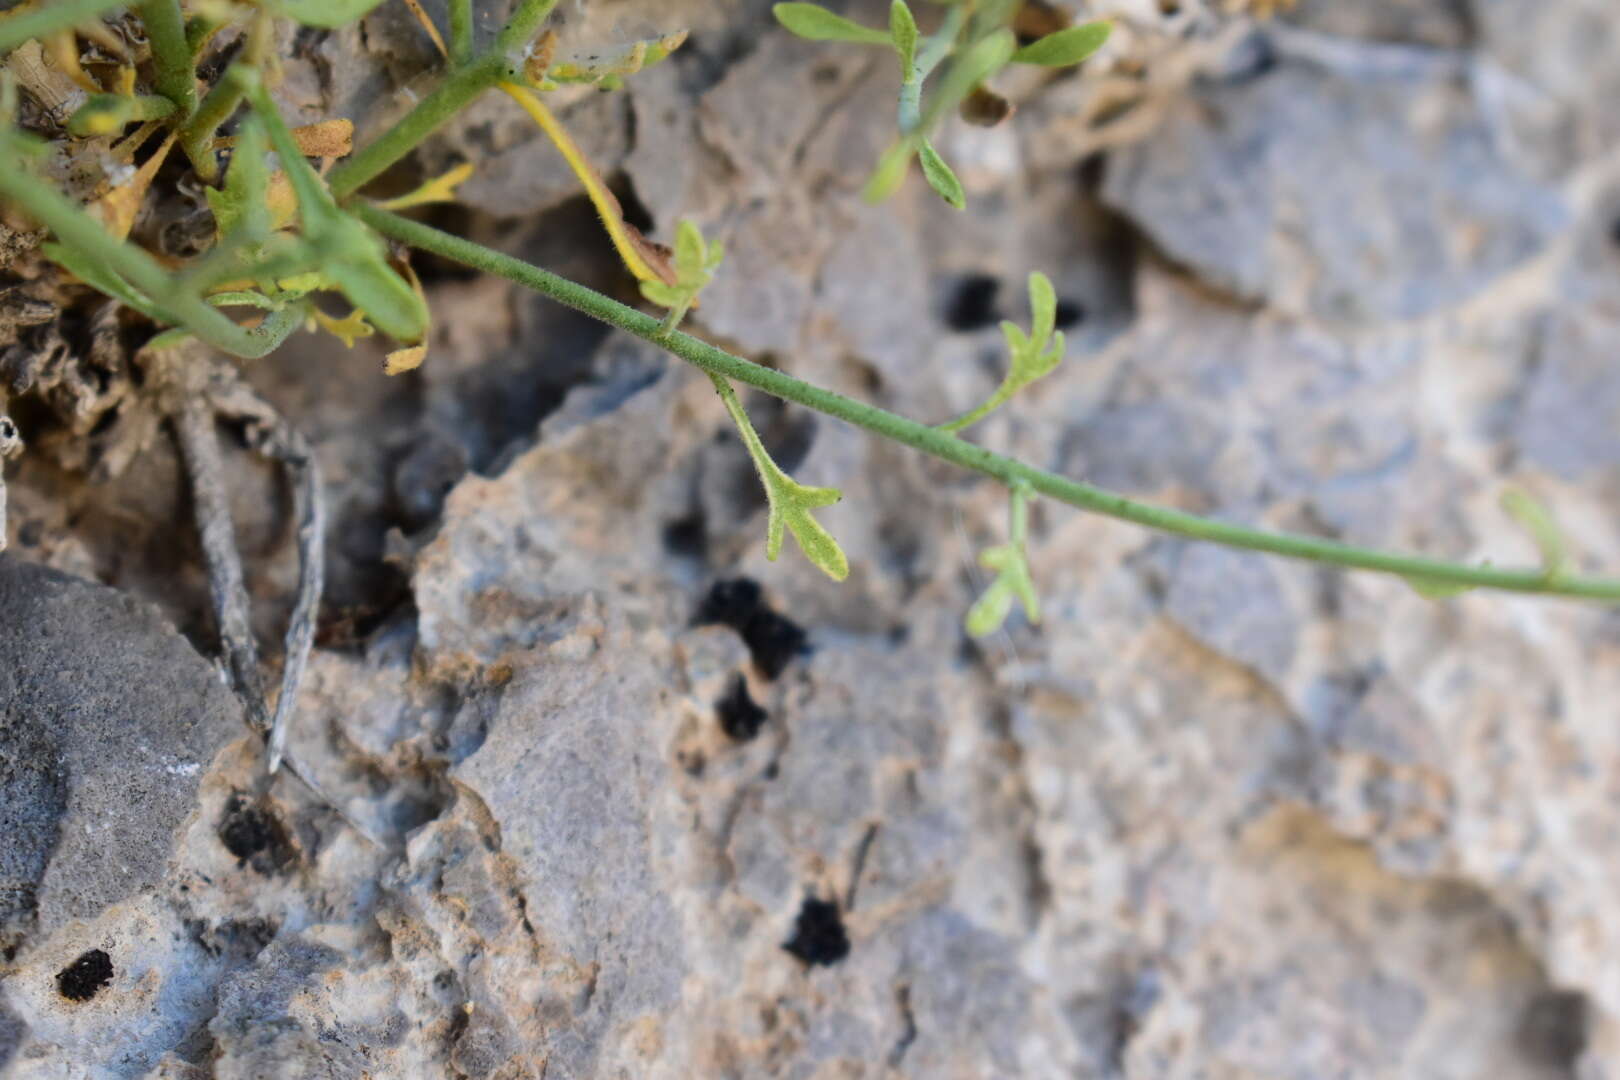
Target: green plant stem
{"type": "Point", "coordinates": [197, 136]}
{"type": "Point", "coordinates": [949, 448]}
{"type": "Point", "coordinates": [935, 48]}
{"type": "Point", "coordinates": [49, 18]}
{"type": "Point", "coordinates": [171, 54]}
{"type": "Point", "coordinates": [461, 31]}
{"type": "Point", "coordinates": [968, 419]}
{"type": "Point", "coordinates": [466, 82]}
{"type": "Point", "coordinates": [76, 229]}
{"type": "Point", "coordinates": [117, 111]}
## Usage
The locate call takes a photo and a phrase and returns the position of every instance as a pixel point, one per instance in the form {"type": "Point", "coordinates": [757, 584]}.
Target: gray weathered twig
{"type": "Point", "coordinates": [199, 445]}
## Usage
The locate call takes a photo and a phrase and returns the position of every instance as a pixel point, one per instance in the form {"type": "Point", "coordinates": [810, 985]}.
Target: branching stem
{"type": "Point", "coordinates": [947, 447]}
{"type": "Point", "coordinates": [466, 82]}
{"type": "Point", "coordinates": [171, 53]}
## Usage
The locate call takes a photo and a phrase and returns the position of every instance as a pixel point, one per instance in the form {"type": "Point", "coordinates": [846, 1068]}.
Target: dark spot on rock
{"type": "Point", "coordinates": [254, 836]}
{"type": "Point", "coordinates": [1093, 171]}
{"type": "Point", "coordinates": [740, 717]}
{"type": "Point", "coordinates": [687, 536]}
{"type": "Point", "coordinates": [825, 73]}
{"type": "Point", "coordinates": [1553, 1029]}
{"type": "Point", "coordinates": [1614, 232]}
{"type": "Point", "coordinates": [773, 640]}
{"type": "Point", "coordinates": [973, 303]}
{"type": "Point", "coordinates": [1069, 312]}
{"type": "Point", "coordinates": [84, 978]}
{"type": "Point", "coordinates": [818, 935]}
{"type": "Point", "coordinates": [31, 532]}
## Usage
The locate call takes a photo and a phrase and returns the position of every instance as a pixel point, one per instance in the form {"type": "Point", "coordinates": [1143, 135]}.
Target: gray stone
{"type": "Point", "coordinates": [1352, 184]}
{"type": "Point", "coordinates": [110, 718]}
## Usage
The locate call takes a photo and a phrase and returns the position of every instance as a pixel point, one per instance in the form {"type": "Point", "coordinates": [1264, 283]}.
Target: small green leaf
{"type": "Point", "coordinates": [666, 296]}
{"type": "Point", "coordinates": [1066, 46]}
{"type": "Point", "coordinates": [890, 172]}
{"type": "Point", "coordinates": [971, 67]}
{"type": "Point", "coordinates": [690, 249]}
{"type": "Point", "coordinates": [790, 502]}
{"type": "Point", "coordinates": [1013, 579]}
{"type": "Point", "coordinates": [940, 177]}
{"type": "Point", "coordinates": [695, 262]}
{"type": "Point", "coordinates": [1031, 356]}
{"type": "Point", "coordinates": [816, 23]}
{"type": "Point", "coordinates": [903, 32]}
{"type": "Point", "coordinates": [1539, 523]}
{"type": "Point", "coordinates": [1042, 306]}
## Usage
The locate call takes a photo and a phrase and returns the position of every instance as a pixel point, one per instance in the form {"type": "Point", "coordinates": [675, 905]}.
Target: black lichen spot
{"type": "Point", "coordinates": [773, 640]}
{"type": "Point", "coordinates": [1553, 1029]}
{"type": "Point", "coordinates": [84, 978]}
{"type": "Point", "coordinates": [740, 717]}
{"type": "Point", "coordinates": [973, 304]}
{"type": "Point", "coordinates": [1069, 313]}
{"type": "Point", "coordinates": [818, 935]}
{"type": "Point", "coordinates": [254, 836]}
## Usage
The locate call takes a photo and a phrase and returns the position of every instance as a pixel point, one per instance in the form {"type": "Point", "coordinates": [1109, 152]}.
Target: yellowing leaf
{"type": "Point", "coordinates": [328, 138]}
{"type": "Point", "coordinates": [348, 329]}
{"type": "Point", "coordinates": [118, 208]}
{"type": "Point", "coordinates": [402, 360]}
{"type": "Point", "coordinates": [438, 190]}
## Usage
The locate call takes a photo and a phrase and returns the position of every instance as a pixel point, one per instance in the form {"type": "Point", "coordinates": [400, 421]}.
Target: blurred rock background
{"type": "Point", "coordinates": [608, 795]}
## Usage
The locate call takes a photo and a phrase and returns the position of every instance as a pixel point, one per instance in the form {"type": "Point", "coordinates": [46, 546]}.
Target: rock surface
{"type": "Point", "coordinates": [605, 793]}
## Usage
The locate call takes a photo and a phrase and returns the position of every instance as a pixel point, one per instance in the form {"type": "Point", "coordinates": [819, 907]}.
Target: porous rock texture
{"type": "Point", "coordinates": [607, 794]}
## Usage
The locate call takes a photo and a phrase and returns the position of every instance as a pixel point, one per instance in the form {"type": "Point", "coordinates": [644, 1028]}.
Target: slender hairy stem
{"type": "Point", "coordinates": [461, 31]}
{"type": "Point", "coordinates": [197, 136]}
{"type": "Point", "coordinates": [448, 99]}
{"type": "Point", "coordinates": [935, 48]}
{"type": "Point", "coordinates": [454, 94]}
{"type": "Point", "coordinates": [16, 29]}
{"type": "Point", "coordinates": [958, 451]}
{"type": "Point", "coordinates": [968, 419]}
{"type": "Point", "coordinates": [171, 54]}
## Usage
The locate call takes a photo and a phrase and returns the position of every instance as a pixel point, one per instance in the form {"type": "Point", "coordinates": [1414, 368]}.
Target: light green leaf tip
{"type": "Point", "coordinates": [1013, 579]}
{"type": "Point", "coordinates": [1065, 47]}
{"type": "Point", "coordinates": [940, 177]}
{"type": "Point", "coordinates": [903, 33]}
{"type": "Point", "coordinates": [890, 171]}
{"type": "Point", "coordinates": [790, 506]}
{"type": "Point", "coordinates": [1538, 522]}
{"type": "Point", "coordinates": [696, 261]}
{"type": "Point", "coordinates": [815, 23]}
